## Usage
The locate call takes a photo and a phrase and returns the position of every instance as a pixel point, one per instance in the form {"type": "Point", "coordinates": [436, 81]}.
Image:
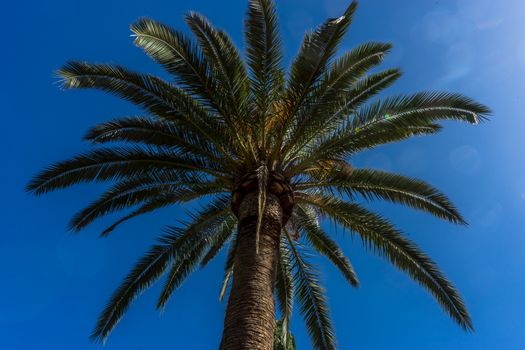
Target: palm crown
{"type": "Point", "coordinates": [221, 127]}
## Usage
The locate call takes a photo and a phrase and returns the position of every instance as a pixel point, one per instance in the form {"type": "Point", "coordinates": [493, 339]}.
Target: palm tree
{"type": "Point", "coordinates": [268, 154]}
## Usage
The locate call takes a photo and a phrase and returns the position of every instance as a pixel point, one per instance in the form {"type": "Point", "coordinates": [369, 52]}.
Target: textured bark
{"type": "Point", "coordinates": [250, 315]}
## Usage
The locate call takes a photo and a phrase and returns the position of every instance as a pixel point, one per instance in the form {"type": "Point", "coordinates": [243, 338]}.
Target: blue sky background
{"type": "Point", "coordinates": [54, 284]}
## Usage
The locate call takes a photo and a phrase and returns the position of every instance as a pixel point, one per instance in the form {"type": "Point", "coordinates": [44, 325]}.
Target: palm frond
{"type": "Point", "coordinates": [350, 67]}
{"type": "Point", "coordinates": [381, 237]}
{"type": "Point", "coordinates": [421, 109]}
{"type": "Point", "coordinates": [376, 184]}
{"type": "Point", "coordinates": [155, 95]}
{"type": "Point", "coordinates": [150, 267]}
{"type": "Point", "coordinates": [229, 71]}
{"type": "Point", "coordinates": [312, 301]}
{"type": "Point", "coordinates": [326, 123]}
{"type": "Point", "coordinates": [228, 268]}
{"type": "Point", "coordinates": [362, 91]}
{"type": "Point", "coordinates": [344, 143]}
{"type": "Point", "coordinates": [284, 282]}
{"type": "Point", "coordinates": [264, 56]}
{"type": "Point", "coordinates": [180, 57]}
{"type": "Point", "coordinates": [307, 222]}
{"type": "Point", "coordinates": [283, 338]}
{"type": "Point", "coordinates": [398, 115]}
{"type": "Point", "coordinates": [226, 61]}
{"type": "Point", "coordinates": [395, 119]}
{"type": "Point", "coordinates": [146, 271]}
{"type": "Point", "coordinates": [186, 261]}
{"type": "Point", "coordinates": [161, 201]}
{"type": "Point", "coordinates": [115, 164]}
{"type": "Point", "coordinates": [135, 129]}
{"type": "Point", "coordinates": [340, 86]}
{"type": "Point", "coordinates": [154, 132]}
{"type": "Point", "coordinates": [228, 230]}
{"type": "Point", "coordinates": [145, 189]}
{"type": "Point", "coordinates": [316, 51]}
{"type": "Point", "coordinates": [149, 92]}
{"type": "Point", "coordinates": [262, 184]}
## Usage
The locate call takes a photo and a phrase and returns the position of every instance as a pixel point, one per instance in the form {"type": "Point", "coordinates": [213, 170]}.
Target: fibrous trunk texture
{"type": "Point", "coordinates": [250, 316]}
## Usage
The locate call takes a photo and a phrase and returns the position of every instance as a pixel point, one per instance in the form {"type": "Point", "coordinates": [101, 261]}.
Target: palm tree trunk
{"type": "Point", "coordinates": [250, 315]}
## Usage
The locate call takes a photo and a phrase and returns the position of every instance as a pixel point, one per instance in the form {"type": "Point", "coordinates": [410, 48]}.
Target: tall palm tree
{"type": "Point", "coordinates": [269, 153]}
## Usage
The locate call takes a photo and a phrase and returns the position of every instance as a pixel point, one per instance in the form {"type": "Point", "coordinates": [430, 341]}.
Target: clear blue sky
{"type": "Point", "coordinates": [54, 284]}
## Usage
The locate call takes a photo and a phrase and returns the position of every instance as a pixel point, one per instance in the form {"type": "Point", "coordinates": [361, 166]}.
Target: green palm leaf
{"type": "Point", "coordinates": [338, 87]}
{"type": "Point", "coordinates": [226, 234]}
{"type": "Point", "coordinates": [421, 109]}
{"type": "Point", "coordinates": [155, 95]}
{"type": "Point", "coordinates": [327, 118]}
{"type": "Point", "coordinates": [186, 261]}
{"type": "Point", "coordinates": [149, 131]}
{"type": "Point", "coordinates": [180, 57]}
{"type": "Point", "coordinates": [381, 237]}
{"type": "Point", "coordinates": [161, 201]}
{"type": "Point", "coordinates": [222, 54]}
{"type": "Point", "coordinates": [306, 221]}
{"type": "Point", "coordinates": [312, 302]}
{"type": "Point", "coordinates": [283, 339]}
{"type": "Point", "coordinates": [375, 184]}
{"type": "Point", "coordinates": [229, 71]}
{"type": "Point", "coordinates": [284, 283]}
{"type": "Point", "coordinates": [264, 56]}
{"type": "Point", "coordinates": [128, 193]}
{"type": "Point", "coordinates": [150, 267]}
{"type": "Point", "coordinates": [228, 268]}
{"type": "Point", "coordinates": [114, 164]}
{"type": "Point", "coordinates": [317, 49]}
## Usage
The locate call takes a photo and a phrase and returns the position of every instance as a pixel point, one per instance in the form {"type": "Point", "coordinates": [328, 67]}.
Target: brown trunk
{"type": "Point", "coordinates": [250, 316]}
